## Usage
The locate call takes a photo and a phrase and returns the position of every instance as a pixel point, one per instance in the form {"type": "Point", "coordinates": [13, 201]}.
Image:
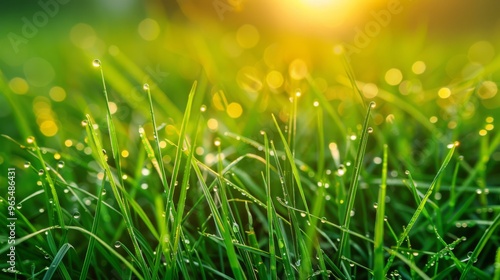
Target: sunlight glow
{"type": "Point", "coordinates": [317, 15]}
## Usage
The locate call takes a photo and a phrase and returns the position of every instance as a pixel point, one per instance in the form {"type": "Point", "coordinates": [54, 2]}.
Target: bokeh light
{"type": "Point", "coordinates": [149, 29]}
{"type": "Point", "coordinates": [393, 76]}
{"type": "Point", "coordinates": [18, 85]}
{"type": "Point", "coordinates": [247, 36]}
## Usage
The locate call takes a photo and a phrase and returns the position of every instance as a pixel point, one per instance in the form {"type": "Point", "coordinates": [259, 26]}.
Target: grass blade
{"type": "Point", "coordinates": [378, 264]}
{"type": "Point", "coordinates": [479, 247]}
{"type": "Point", "coordinates": [57, 260]}
{"type": "Point", "coordinates": [222, 225]}
{"type": "Point", "coordinates": [270, 209]}
{"type": "Point", "coordinates": [95, 224]}
{"type": "Point", "coordinates": [497, 266]}
{"type": "Point", "coordinates": [421, 206]}
{"type": "Point", "coordinates": [343, 247]}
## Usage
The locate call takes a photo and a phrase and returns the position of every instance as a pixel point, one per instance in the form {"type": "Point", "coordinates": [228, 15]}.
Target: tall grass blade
{"type": "Point", "coordinates": [169, 206]}
{"type": "Point", "coordinates": [90, 248]}
{"type": "Point", "coordinates": [177, 225]}
{"type": "Point", "coordinates": [378, 264]}
{"type": "Point", "coordinates": [295, 171]}
{"type": "Point", "coordinates": [421, 206]}
{"type": "Point", "coordinates": [270, 209]}
{"type": "Point", "coordinates": [117, 189]}
{"type": "Point", "coordinates": [159, 161]}
{"type": "Point", "coordinates": [343, 247]}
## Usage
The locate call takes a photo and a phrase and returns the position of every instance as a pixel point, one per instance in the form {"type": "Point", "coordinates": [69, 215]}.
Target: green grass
{"type": "Point", "coordinates": [264, 202]}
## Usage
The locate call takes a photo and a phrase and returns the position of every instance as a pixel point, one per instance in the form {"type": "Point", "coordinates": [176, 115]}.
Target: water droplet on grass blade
{"type": "Point", "coordinates": [370, 130]}
{"type": "Point", "coordinates": [84, 123]}
{"type": "Point", "coordinates": [60, 164]}
{"type": "Point", "coordinates": [118, 244]}
{"type": "Point", "coordinates": [105, 155]}
{"type": "Point", "coordinates": [236, 227]}
{"type": "Point", "coordinates": [30, 140]}
{"type": "Point", "coordinates": [40, 172]}
{"type": "Point", "coordinates": [96, 63]}
{"type": "Point", "coordinates": [145, 86]}
{"type": "Point", "coordinates": [76, 215]}
{"type": "Point", "coordinates": [341, 171]}
{"type": "Point", "coordinates": [373, 104]}
{"type": "Point", "coordinates": [203, 108]}
{"type": "Point", "coordinates": [27, 164]}
{"type": "Point", "coordinates": [217, 142]}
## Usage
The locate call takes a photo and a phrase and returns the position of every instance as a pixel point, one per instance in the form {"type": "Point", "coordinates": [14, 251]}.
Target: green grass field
{"type": "Point", "coordinates": [200, 141]}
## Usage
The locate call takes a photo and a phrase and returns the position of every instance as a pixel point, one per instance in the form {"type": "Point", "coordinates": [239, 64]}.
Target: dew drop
{"type": "Point", "coordinates": [236, 227]}
{"type": "Point", "coordinates": [145, 87]}
{"type": "Point", "coordinates": [217, 142]}
{"type": "Point", "coordinates": [323, 220]}
{"type": "Point", "coordinates": [96, 63]}
{"type": "Point", "coordinates": [341, 171]}
{"type": "Point", "coordinates": [60, 164]}
{"type": "Point", "coordinates": [27, 164]}
{"type": "Point", "coordinates": [40, 172]}
{"type": "Point", "coordinates": [118, 244]}
{"type": "Point", "coordinates": [76, 215]}
{"type": "Point", "coordinates": [407, 172]}
{"type": "Point", "coordinates": [351, 264]}
{"type": "Point", "coordinates": [103, 192]}
{"type": "Point", "coordinates": [302, 214]}
{"type": "Point", "coordinates": [30, 140]}
{"type": "Point", "coordinates": [370, 130]}
{"type": "Point", "coordinates": [375, 205]}
{"type": "Point", "coordinates": [373, 104]}
{"type": "Point", "coordinates": [19, 206]}
{"type": "Point", "coordinates": [105, 155]}
{"type": "Point", "coordinates": [84, 123]}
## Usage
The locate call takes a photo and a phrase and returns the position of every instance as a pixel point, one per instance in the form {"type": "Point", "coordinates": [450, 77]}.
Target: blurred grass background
{"type": "Point", "coordinates": [251, 55]}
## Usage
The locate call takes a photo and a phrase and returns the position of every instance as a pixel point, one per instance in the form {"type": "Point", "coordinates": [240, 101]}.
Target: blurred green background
{"type": "Point", "coordinates": [431, 67]}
